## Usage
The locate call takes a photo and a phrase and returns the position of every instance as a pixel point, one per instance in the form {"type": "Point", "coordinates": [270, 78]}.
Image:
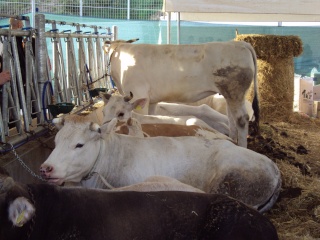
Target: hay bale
{"type": "Point", "coordinates": [275, 73]}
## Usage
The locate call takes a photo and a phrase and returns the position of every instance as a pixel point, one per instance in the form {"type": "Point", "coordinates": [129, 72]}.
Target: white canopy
{"type": "Point", "coordinates": [243, 11]}
{"type": "Point", "coordinates": [246, 10]}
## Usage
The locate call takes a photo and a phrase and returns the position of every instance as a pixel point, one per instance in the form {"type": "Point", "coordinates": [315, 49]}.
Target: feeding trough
{"type": "Point", "coordinates": [59, 108]}
{"type": "Point", "coordinates": [95, 91]}
{"type": "Point", "coordinates": [55, 108]}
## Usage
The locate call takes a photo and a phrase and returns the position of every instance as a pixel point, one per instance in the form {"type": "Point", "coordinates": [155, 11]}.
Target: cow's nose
{"type": "Point", "coordinates": [45, 169]}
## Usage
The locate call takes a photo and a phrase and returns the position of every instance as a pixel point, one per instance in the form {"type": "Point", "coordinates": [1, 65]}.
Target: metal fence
{"type": "Point", "coordinates": [113, 9]}
{"type": "Point", "coordinates": [43, 87]}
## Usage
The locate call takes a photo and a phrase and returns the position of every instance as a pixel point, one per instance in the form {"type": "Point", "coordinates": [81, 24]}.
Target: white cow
{"type": "Point", "coordinates": [151, 184]}
{"type": "Point", "coordinates": [218, 103]}
{"type": "Point", "coordinates": [159, 183]}
{"type": "Point", "coordinates": [117, 106]}
{"type": "Point", "coordinates": [133, 127]}
{"type": "Point", "coordinates": [187, 73]}
{"type": "Point", "coordinates": [205, 162]}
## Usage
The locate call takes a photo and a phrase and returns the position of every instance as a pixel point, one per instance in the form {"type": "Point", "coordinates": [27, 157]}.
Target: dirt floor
{"type": "Point", "coordinates": [294, 146]}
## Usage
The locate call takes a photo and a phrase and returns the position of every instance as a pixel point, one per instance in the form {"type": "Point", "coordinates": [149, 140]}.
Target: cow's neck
{"type": "Point", "coordinates": [111, 160]}
{"type": "Point", "coordinates": [95, 171]}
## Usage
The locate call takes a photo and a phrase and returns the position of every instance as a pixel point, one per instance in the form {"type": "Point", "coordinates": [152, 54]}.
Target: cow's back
{"type": "Point", "coordinates": [177, 73]}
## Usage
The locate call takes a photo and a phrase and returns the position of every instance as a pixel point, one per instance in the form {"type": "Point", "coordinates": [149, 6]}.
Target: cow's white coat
{"type": "Point", "coordinates": [187, 73]}
{"type": "Point", "coordinates": [205, 162]}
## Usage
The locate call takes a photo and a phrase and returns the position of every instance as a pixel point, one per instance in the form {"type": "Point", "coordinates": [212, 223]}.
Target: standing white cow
{"type": "Point", "coordinates": [187, 73]}
{"type": "Point", "coordinates": [207, 162]}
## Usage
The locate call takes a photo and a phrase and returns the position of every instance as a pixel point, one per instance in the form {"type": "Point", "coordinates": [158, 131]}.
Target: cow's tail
{"type": "Point", "coordinates": [255, 102]}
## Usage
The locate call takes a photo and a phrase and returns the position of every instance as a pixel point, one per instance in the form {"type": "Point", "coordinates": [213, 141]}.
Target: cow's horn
{"type": "Point", "coordinates": [132, 40]}
{"type": "Point", "coordinates": [6, 183]}
{"type": "Point", "coordinates": [128, 98]}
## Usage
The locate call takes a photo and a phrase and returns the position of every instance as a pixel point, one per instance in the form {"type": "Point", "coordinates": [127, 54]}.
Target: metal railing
{"type": "Point", "coordinates": [122, 9]}
{"type": "Point", "coordinates": [77, 65]}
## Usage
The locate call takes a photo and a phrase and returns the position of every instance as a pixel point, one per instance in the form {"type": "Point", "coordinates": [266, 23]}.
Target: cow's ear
{"type": "Point", "coordinates": [139, 103]}
{"type": "Point", "coordinates": [105, 97]}
{"type": "Point", "coordinates": [20, 211]}
{"type": "Point", "coordinates": [58, 122]}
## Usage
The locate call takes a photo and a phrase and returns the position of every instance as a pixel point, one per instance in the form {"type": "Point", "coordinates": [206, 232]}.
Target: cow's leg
{"type": "Point", "coordinates": [238, 122]}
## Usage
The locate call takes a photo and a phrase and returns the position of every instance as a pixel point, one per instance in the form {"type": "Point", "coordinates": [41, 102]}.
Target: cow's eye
{"type": "Point", "coordinates": [79, 145]}
{"type": "Point", "coordinates": [121, 115]}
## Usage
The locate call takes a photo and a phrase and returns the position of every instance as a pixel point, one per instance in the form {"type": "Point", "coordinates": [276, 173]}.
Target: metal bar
{"type": "Point", "coordinates": [82, 70]}
{"type": "Point", "coordinates": [169, 28]}
{"type": "Point", "coordinates": [20, 83]}
{"type": "Point", "coordinates": [178, 28]}
{"type": "Point", "coordinates": [18, 33]}
{"type": "Point", "coordinates": [74, 35]}
{"type": "Point", "coordinates": [91, 59]}
{"type": "Point", "coordinates": [63, 77]}
{"type": "Point", "coordinates": [12, 91]}
{"type": "Point", "coordinates": [100, 67]}
{"type": "Point", "coordinates": [76, 24]}
{"type": "Point", "coordinates": [35, 98]}
{"type": "Point", "coordinates": [73, 71]}
{"type": "Point", "coordinates": [28, 84]}
{"type": "Point", "coordinates": [4, 104]}
{"type": "Point", "coordinates": [40, 116]}
{"type": "Point", "coordinates": [41, 53]}
{"type": "Point", "coordinates": [18, 139]}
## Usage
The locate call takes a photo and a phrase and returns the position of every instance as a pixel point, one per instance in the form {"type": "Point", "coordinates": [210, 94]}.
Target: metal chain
{"type": "Point", "coordinates": [25, 165]}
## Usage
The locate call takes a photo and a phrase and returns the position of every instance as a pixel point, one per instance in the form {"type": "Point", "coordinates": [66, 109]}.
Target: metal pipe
{"type": "Point", "coordinates": [74, 35]}
{"type": "Point", "coordinates": [178, 28]}
{"type": "Point", "coordinates": [169, 28]}
{"type": "Point", "coordinates": [20, 83]}
{"type": "Point", "coordinates": [18, 33]}
{"type": "Point", "coordinates": [6, 87]}
{"type": "Point", "coordinates": [22, 139]}
{"type": "Point", "coordinates": [13, 97]}
{"type": "Point", "coordinates": [41, 53]}
{"type": "Point", "coordinates": [76, 24]}
{"type": "Point", "coordinates": [29, 83]}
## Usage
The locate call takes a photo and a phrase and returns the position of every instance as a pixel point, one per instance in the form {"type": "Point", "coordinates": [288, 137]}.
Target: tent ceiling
{"type": "Point", "coordinates": [245, 10]}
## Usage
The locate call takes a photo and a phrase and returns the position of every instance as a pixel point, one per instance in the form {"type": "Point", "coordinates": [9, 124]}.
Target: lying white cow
{"type": "Point", "coordinates": [120, 107]}
{"type": "Point", "coordinates": [218, 103]}
{"type": "Point", "coordinates": [133, 127]}
{"type": "Point", "coordinates": [187, 73]}
{"type": "Point", "coordinates": [151, 184]}
{"type": "Point", "coordinates": [205, 162]}
{"type": "Point", "coordinates": [159, 183]}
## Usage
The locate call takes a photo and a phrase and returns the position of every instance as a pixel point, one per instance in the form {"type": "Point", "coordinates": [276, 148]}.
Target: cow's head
{"type": "Point", "coordinates": [77, 148]}
{"type": "Point", "coordinates": [131, 127]}
{"type": "Point", "coordinates": [15, 203]}
{"type": "Point", "coordinates": [108, 43]}
{"type": "Point", "coordinates": [120, 107]}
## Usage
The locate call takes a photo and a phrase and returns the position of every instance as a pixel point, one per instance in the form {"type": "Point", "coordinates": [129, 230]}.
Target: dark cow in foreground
{"type": "Point", "coordinates": [187, 73]}
{"type": "Point", "coordinates": [47, 212]}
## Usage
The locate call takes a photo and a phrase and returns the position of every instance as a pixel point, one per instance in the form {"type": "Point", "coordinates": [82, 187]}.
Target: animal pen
{"type": "Point", "coordinates": [78, 71]}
